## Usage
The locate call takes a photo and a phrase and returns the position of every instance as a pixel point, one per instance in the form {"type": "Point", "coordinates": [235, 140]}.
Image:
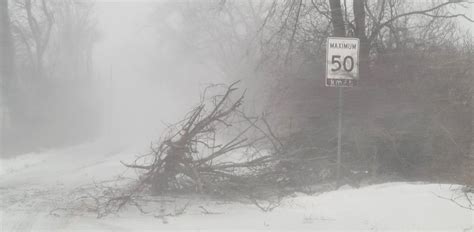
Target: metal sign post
{"type": "Point", "coordinates": [342, 70]}
{"type": "Point", "coordinates": [339, 137]}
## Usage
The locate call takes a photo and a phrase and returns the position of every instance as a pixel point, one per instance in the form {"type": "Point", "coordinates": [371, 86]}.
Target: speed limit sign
{"type": "Point", "coordinates": [342, 62]}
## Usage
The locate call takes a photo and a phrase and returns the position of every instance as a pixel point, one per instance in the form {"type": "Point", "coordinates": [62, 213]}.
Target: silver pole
{"type": "Point", "coordinates": [339, 137]}
{"type": "Point", "coordinates": [2, 129]}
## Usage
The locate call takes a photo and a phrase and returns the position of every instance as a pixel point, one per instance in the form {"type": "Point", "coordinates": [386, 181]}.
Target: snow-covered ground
{"type": "Point", "coordinates": [32, 185]}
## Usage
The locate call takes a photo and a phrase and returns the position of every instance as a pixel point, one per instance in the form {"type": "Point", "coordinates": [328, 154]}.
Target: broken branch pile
{"type": "Point", "coordinates": [190, 156]}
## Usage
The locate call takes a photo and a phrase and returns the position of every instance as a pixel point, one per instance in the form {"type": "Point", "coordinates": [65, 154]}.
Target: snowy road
{"type": "Point", "coordinates": [32, 185]}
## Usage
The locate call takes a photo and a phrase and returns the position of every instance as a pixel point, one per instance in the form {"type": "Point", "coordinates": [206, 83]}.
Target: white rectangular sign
{"type": "Point", "coordinates": [342, 61]}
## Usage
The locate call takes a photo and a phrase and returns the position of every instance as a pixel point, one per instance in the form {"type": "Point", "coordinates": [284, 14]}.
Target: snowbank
{"type": "Point", "coordinates": [32, 185]}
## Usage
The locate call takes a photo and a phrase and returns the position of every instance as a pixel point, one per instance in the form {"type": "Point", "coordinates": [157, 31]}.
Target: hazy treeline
{"type": "Point", "coordinates": [411, 115]}
{"type": "Point", "coordinates": [48, 95]}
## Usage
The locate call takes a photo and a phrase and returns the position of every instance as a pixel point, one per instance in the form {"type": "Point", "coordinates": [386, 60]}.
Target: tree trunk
{"type": "Point", "coordinates": [360, 32]}
{"type": "Point", "coordinates": [336, 18]}
{"type": "Point", "coordinates": [7, 68]}
{"type": "Point", "coordinates": [7, 63]}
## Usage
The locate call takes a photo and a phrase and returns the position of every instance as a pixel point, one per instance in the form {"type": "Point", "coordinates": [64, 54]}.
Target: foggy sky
{"type": "Point", "coordinates": [141, 89]}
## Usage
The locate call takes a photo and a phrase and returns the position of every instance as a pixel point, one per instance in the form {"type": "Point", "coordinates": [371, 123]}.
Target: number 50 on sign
{"type": "Point", "coordinates": [342, 62]}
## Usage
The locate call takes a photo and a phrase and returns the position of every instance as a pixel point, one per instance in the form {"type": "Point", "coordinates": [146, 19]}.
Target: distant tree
{"type": "Point", "coordinates": [7, 48]}
{"type": "Point", "coordinates": [53, 52]}
{"type": "Point", "coordinates": [74, 39]}
{"type": "Point", "coordinates": [34, 26]}
{"type": "Point", "coordinates": [7, 67]}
